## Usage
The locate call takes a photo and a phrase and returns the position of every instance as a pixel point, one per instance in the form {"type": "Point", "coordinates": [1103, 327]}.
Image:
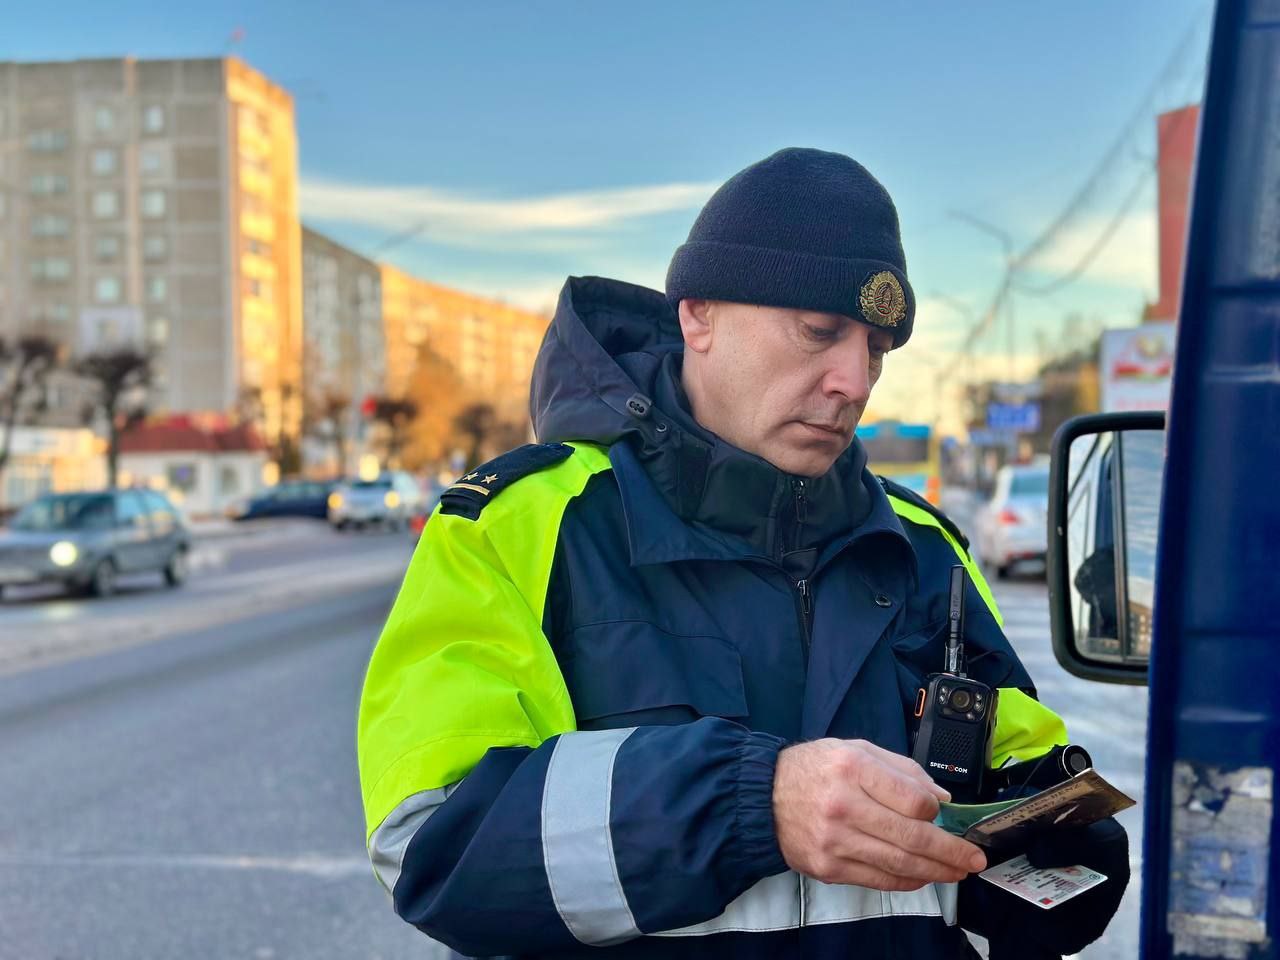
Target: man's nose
{"type": "Point", "coordinates": [849, 376]}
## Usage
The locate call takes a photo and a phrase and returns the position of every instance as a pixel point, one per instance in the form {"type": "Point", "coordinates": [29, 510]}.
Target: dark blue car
{"type": "Point", "coordinates": [293, 498]}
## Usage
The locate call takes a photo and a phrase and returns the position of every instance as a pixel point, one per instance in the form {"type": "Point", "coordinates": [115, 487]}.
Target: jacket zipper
{"type": "Point", "coordinates": [802, 508]}
{"type": "Point", "coordinates": [806, 614]}
{"type": "Point", "coordinates": [802, 585]}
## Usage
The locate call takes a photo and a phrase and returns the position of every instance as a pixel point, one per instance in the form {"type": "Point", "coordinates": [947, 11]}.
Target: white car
{"type": "Point", "coordinates": [389, 500]}
{"type": "Point", "coordinates": [1011, 527]}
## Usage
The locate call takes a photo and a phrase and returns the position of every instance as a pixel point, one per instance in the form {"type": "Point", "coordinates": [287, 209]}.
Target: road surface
{"type": "Point", "coordinates": [178, 766]}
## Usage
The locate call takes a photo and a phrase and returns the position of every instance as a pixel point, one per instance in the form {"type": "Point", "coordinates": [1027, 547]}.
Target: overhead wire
{"type": "Point", "coordinates": [1081, 199]}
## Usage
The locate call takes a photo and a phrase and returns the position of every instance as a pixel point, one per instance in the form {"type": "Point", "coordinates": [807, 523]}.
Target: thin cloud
{"type": "Point", "coordinates": [468, 220]}
{"type": "Point", "coordinates": [1129, 258]}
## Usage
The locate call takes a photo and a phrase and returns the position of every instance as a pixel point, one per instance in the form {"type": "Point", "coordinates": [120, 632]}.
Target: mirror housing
{"type": "Point", "coordinates": [1061, 568]}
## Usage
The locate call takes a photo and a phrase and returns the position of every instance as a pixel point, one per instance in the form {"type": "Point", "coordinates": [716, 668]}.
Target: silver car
{"type": "Point", "coordinates": [85, 540]}
{"type": "Point", "coordinates": [1012, 526]}
{"type": "Point", "coordinates": [389, 500]}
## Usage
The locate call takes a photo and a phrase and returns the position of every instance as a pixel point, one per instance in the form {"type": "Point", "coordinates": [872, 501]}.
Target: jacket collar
{"type": "Point", "coordinates": [657, 534]}
{"type": "Point", "coordinates": [732, 494]}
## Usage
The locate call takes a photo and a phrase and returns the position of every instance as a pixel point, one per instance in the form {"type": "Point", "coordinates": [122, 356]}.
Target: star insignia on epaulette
{"type": "Point", "coordinates": [470, 494]}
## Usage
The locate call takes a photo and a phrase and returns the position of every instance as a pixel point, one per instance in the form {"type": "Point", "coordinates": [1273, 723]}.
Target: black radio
{"type": "Point", "coordinates": [957, 715]}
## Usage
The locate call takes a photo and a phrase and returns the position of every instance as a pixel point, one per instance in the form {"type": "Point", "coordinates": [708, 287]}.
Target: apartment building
{"type": "Point", "coordinates": [344, 350]}
{"type": "Point", "coordinates": [154, 203]}
{"type": "Point", "coordinates": [492, 345]}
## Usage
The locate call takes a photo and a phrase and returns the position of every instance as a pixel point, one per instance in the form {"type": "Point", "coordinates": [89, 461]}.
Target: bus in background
{"type": "Point", "coordinates": [906, 453]}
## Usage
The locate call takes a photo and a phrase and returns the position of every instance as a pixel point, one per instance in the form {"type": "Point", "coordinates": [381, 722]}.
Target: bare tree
{"type": "Point", "coordinates": [326, 419]}
{"type": "Point", "coordinates": [120, 376]}
{"type": "Point", "coordinates": [477, 423]}
{"type": "Point", "coordinates": [440, 395]}
{"type": "Point", "coordinates": [251, 408]}
{"type": "Point", "coordinates": [24, 366]}
{"type": "Point", "coordinates": [396, 414]}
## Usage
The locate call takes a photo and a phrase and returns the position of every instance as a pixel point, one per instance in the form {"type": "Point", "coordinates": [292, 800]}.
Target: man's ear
{"type": "Point", "coordinates": [696, 324]}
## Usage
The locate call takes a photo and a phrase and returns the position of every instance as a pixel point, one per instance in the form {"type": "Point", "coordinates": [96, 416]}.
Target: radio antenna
{"type": "Point", "coordinates": [955, 621]}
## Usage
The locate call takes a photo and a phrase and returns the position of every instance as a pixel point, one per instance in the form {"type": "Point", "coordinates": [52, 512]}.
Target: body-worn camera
{"type": "Point", "coordinates": [957, 715]}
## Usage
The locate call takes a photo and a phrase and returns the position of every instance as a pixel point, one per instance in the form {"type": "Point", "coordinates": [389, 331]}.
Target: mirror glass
{"type": "Point", "coordinates": [1113, 505]}
{"type": "Point", "coordinates": [1142, 453]}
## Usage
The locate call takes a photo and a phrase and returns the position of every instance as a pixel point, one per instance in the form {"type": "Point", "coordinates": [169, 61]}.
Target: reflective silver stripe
{"type": "Point", "coordinates": [391, 839]}
{"type": "Point", "coordinates": [577, 845]}
{"type": "Point", "coordinates": [948, 900]}
{"type": "Point", "coordinates": [774, 904]}
{"type": "Point", "coordinates": [837, 903]}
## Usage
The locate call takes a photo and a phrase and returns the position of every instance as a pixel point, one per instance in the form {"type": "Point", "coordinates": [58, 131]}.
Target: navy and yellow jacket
{"type": "Point", "coordinates": [570, 723]}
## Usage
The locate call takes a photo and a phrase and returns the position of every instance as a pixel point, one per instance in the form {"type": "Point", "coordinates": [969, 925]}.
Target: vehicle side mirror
{"type": "Point", "coordinates": [1105, 479]}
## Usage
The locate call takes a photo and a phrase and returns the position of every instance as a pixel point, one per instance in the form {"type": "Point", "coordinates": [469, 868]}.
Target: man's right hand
{"type": "Point", "coordinates": [847, 811]}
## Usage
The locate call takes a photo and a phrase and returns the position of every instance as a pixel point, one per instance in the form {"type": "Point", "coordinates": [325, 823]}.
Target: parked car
{"type": "Point", "coordinates": [389, 500]}
{"type": "Point", "coordinates": [85, 540]}
{"type": "Point", "coordinates": [293, 498]}
{"type": "Point", "coordinates": [1011, 527]}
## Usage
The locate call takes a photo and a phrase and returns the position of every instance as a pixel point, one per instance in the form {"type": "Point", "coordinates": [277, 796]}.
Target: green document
{"type": "Point", "coordinates": [959, 817]}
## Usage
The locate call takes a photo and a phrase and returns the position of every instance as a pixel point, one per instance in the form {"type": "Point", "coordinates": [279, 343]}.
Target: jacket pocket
{"type": "Point", "coordinates": [631, 672]}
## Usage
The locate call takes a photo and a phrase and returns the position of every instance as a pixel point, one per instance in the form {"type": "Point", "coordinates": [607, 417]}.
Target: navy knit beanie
{"type": "Point", "coordinates": [804, 229]}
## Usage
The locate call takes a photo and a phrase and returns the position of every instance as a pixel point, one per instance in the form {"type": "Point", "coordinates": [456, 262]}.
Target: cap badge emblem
{"type": "Point", "coordinates": [882, 300]}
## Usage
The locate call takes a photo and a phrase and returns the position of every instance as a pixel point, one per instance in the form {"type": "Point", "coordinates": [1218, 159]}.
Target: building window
{"type": "Point", "coordinates": [150, 161]}
{"type": "Point", "coordinates": [106, 247]}
{"type": "Point", "coordinates": [182, 476]}
{"type": "Point", "coordinates": [104, 119]}
{"type": "Point", "coordinates": [47, 141]}
{"type": "Point", "coordinates": [155, 246]}
{"type": "Point", "coordinates": [228, 480]}
{"type": "Point", "coordinates": [107, 290]}
{"type": "Point", "coordinates": [103, 162]}
{"type": "Point", "coordinates": [50, 225]}
{"type": "Point", "coordinates": [106, 204]}
{"type": "Point", "coordinates": [152, 203]}
{"type": "Point", "coordinates": [157, 289]}
{"type": "Point", "coordinates": [51, 313]}
{"type": "Point", "coordinates": [50, 268]}
{"type": "Point", "coordinates": [153, 119]}
{"type": "Point", "coordinates": [48, 184]}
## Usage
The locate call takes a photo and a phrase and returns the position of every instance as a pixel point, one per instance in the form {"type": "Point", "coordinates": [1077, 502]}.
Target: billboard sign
{"type": "Point", "coordinates": [1013, 417]}
{"type": "Point", "coordinates": [1137, 367]}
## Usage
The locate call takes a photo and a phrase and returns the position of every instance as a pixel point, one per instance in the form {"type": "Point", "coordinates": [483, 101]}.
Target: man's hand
{"type": "Point", "coordinates": [847, 811]}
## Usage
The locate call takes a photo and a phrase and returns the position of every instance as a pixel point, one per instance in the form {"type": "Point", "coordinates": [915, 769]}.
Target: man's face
{"type": "Point", "coordinates": [787, 385]}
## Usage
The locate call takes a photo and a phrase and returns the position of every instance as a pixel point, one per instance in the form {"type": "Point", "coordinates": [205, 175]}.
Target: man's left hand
{"type": "Point", "coordinates": [1009, 922]}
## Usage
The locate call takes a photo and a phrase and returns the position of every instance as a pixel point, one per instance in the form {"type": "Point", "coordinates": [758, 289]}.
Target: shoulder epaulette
{"type": "Point", "coordinates": [470, 494]}
{"type": "Point", "coordinates": [906, 493]}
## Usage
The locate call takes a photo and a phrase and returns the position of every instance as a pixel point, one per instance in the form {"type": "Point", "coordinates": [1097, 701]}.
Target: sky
{"type": "Point", "coordinates": [500, 147]}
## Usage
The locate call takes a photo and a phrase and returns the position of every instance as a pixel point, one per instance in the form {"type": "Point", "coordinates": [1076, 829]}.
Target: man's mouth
{"type": "Point", "coordinates": [834, 429]}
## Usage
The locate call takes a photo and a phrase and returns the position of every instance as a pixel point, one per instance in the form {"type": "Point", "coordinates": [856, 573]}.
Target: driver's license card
{"type": "Point", "coordinates": [1046, 888]}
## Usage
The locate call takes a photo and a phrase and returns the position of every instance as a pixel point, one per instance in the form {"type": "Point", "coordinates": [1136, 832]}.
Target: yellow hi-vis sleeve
{"type": "Point", "coordinates": [462, 664]}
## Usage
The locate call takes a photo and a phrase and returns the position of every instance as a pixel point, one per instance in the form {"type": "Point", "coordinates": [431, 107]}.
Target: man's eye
{"type": "Point", "coordinates": [822, 333]}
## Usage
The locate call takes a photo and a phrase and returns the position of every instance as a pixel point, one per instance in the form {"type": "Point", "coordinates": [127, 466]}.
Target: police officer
{"type": "Point", "coordinates": [648, 684]}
